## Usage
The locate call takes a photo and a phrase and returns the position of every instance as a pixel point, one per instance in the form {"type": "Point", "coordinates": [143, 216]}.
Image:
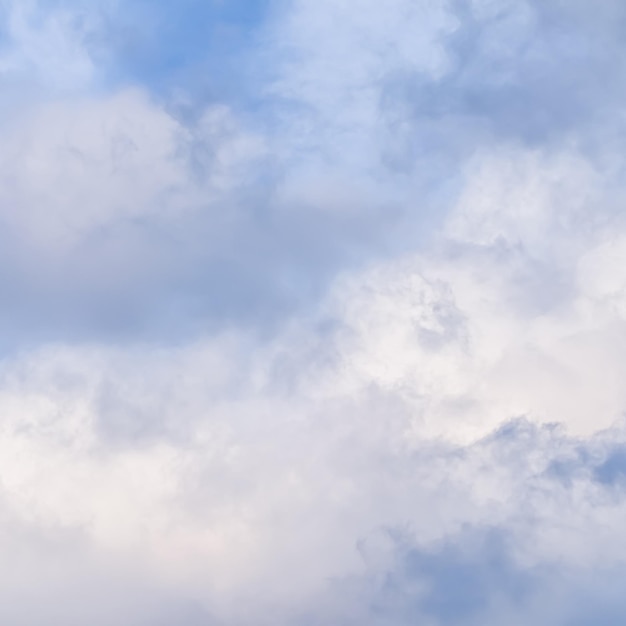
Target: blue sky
{"type": "Point", "coordinates": [197, 46]}
{"type": "Point", "coordinates": [313, 312]}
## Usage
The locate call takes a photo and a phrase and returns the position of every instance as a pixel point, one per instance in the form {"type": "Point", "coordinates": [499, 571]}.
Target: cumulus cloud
{"type": "Point", "coordinates": [429, 444]}
{"type": "Point", "coordinates": [99, 195]}
{"type": "Point", "coordinates": [424, 202]}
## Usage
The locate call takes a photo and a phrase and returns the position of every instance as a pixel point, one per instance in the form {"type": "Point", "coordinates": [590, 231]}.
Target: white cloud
{"type": "Point", "coordinates": [257, 479]}
{"type": "Point", "coordinates": [72, 169]}
{"type": "Point", "coordinates": [246, 475]}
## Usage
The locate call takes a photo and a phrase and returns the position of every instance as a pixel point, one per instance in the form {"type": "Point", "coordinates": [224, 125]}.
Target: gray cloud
{"type": "Point", "coordinates": [413, 109]}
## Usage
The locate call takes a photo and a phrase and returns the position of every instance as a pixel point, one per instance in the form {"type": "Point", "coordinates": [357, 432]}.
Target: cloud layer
{"type": "Point", "coordinates": [342, 344]}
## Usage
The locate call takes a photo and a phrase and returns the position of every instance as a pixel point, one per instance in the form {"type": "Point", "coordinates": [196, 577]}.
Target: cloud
{"type": "Point", "coordinates": [255, 502]}
{"type": "Point", "coordinates": [226, 211]}
{"type": "Point", "coordinates": [348, 351]}
{"type": "Point", "coordinates": [47, 45]}
{"type": "Point", "coordinates": [99, 195]}
{"type": "Point", "coordinates": [373, 446]}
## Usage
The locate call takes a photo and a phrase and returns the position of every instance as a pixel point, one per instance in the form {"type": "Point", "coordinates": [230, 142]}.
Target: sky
{"type": "Point", "coordinates": [313, 313]}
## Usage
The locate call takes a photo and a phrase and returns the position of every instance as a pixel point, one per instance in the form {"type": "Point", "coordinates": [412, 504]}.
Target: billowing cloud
{"type": "Point", "coordinates": [343, 346]}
